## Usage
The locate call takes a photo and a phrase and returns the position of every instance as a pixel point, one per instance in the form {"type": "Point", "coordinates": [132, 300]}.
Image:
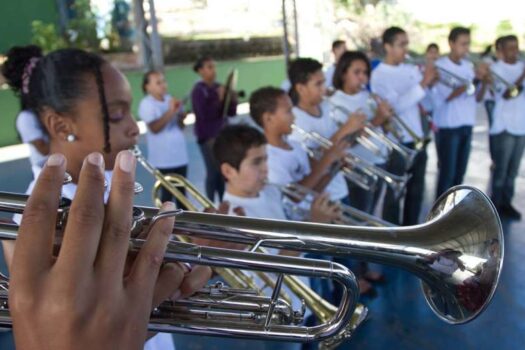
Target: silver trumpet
{"type": "Point", "coordinates": [511, 87]}
{"type": "Point", "coordinates": [365, 170]}
{"type": "Point", "coordinates": [351, 216]}
{"type": "Point", "coordinates": [217, 310]}
{"type": "Point", "coordinates": [406, 153]}
{"type": "Point", "coordinates": [454, 81]}
{"type": "Point", "coordinates": [457, 253]}
{"type": "Point", "coordinates": [366, 181]}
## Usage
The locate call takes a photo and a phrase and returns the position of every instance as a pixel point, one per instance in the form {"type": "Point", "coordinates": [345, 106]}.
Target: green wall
{"type": "Point", "coordinates": [253, 73]}
{"type": "Point", "coordinates": [16, 17]}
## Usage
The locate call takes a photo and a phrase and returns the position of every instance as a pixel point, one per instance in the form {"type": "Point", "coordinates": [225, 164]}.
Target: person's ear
{"type": "Point", "coordinates": [57, 125]}
{"type": "Point", "coordinates": [228, 171]}
{"type": "Point", "coordinates": [267, 119]}
{"type": "Point", "coordinates": [300, 88]}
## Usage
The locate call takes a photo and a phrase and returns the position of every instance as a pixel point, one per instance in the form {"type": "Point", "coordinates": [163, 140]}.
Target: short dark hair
{"type": "Point", "coordinates": [497, 43]}
{"type": "Point", "coordinates": [299, 72]}
{"type": "Point", "coordinates": [337, 43]}
{"type": "Point", "coordinates": [507, 39]}
{"type": "Point", "coordinates": [432, 46]}
{"type": "Point", "coordinates": [200, 62]}
{"type": "Point", "coordinates": [145, 79]}
{"type": "Point", "coordinates": [344, 63]}
{"type": "Point", "coordinates": [456, 32]}
{"type": "Point", "coordinates": [264, 100]}
{"type": "Point", "coordinates": [389, 35]}
{"type": "Point", "coordinates": [234, 141]}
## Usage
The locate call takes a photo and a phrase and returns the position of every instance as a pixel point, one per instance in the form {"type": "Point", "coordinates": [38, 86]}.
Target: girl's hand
{"type": "Point", "coordinates": [82, 298]}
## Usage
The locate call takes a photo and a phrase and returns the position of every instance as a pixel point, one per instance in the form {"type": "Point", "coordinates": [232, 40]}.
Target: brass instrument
{"type": "Point", "coordinates": [367, 172]}
{"type": "Point", "coordinates": [457, 253]}
{"type": "Point", "coordinates": [322, 309]}
{"type": "Point", "coordinates": [511, 87]}
{"type": "Point", "coordinates": [454, 81]}
{"type": "Point", "coordinates": [349, 215]}
{"type": "Point", "coordinates": [406, 153]}
{"type": "Point", "coordinates": [218, 310]}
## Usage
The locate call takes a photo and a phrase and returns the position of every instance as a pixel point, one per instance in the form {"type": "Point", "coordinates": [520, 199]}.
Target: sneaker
{"type": "Point", "coordinates": [511, 212]}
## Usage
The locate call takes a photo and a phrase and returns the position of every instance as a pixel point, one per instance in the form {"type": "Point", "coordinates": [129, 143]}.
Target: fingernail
{"type": "Point", "coordinates": [96, 159]}
{"type": "Point", "coordinates": [167, 206]}
{"type": "Point", "coordinates": [175, 296]}
{"type": "Point", "coordinates": [126, 161]}
{"type": "Point", "coordinates": [56, 159]}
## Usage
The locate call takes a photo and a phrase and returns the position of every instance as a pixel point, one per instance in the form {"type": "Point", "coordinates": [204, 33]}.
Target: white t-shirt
{"type": "Point", "coordinates": [167, 148]}
{"type": "Point", "coordinates": [325, 127]}
{"type": "Point", "coordinates": [161, 341]}
{"type": "Point", "coordinates": [30, 129]}
{"type": "Point", "coordinates": [509, 115]}
{"type": "Point", "coordinates": [287, 166]}
{"type": "Point", "coordinates": [329, 76]}
{"type": "Point", "coordinates": [461, 111]}
{"type": "Point", "coordinates": [353, 103]}
{"type": "Point", "coordinates": [399, 85]}
{"type": "Point", "coordinates": [268, 204]}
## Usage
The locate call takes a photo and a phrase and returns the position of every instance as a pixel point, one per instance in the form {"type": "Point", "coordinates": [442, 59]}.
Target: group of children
{"type": "Point", "coordinates": [75, 103]}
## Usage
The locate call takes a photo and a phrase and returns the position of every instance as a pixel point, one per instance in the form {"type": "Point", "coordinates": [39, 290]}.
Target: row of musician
{"type": "Point", "coordinates": [347, 144]}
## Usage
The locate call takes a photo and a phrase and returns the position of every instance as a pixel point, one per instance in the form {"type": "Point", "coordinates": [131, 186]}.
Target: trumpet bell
{"type": "Point", "coordinates": [462, 276]}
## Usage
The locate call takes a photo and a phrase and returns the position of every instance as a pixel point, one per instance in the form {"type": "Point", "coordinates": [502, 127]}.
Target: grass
{"type": "Point", "coordinates": [253, 73]}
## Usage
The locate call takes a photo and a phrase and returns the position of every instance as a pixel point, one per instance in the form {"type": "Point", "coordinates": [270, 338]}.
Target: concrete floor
{"type": "Point", "coordinates": [399, 317]}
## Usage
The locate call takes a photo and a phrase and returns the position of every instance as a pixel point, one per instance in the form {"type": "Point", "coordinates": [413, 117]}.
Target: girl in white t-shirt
{"type": "Point", "coordinates": [85, 106]}
{"type": "Point", "coordinates": [352, 73]}
{"type": "Point", "coordinates": [164, 117]}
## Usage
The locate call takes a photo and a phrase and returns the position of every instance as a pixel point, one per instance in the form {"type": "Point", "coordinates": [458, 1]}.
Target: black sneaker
{"type": "Point", "coordinates": [510, 212]}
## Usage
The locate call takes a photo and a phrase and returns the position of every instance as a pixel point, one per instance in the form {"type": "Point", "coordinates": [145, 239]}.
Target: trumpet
{"type": "Point", "coordinates": [349, 215]}
{"type": "Point", "coordinates": [454, 81]}
{"type": "Point", "coordinates": [322, 309]}
{"type": "Point", "coordinates": [514, 91]}
{"type": "Point", "coordinates": [356, 176]}
{"type": "Point", "coordinates": [361, 172]}
{"type": "Point", "coordinates": [406, 153]}
{"type": "Point", "coordinates": [457, 253]}
{"type": "Point", "coordinates": [217, 310]}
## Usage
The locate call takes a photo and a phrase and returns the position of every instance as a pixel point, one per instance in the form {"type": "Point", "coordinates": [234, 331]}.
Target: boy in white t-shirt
{"type": "Point", "coordinates": [312, 114]}
{"type": "Point", "coordinates": [240, 151]}
{"type": "Point", "coordinates": [404, 87]}
{"type": "Point", "coordinates": [165, 119]}
{"type": "Point", "coordinates": [455, 110]}
{"type": "Point", "coordinates": [508, 126]}
{"type": "Point", "coordinates": [288, 162]}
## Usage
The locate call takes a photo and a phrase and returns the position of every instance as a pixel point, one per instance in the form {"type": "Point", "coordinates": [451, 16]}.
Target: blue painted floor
{"type": "Point", "coordinates": [399, 317]}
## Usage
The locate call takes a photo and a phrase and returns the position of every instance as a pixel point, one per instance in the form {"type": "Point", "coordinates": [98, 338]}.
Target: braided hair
{"type": "Point", "coordinates": [57, 80]}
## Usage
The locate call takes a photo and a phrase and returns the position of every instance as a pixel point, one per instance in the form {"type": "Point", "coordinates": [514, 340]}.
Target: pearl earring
{"type": "Point", "coordinates": [71, 138]}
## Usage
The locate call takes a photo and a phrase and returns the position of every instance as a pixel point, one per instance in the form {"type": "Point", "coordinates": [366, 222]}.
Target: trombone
{"type": "Point", "coordinates": [322, 309]}
{"type": "Point", "coordinates": [406, 153]}
{"type": "Point", "coordinates": [349, 215]}
{"type": "Point", "coordinates": [367, 174]}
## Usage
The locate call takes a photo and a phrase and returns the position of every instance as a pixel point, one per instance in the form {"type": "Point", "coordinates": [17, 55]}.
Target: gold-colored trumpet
{"type": "Point", "coordinates": [322, 309]}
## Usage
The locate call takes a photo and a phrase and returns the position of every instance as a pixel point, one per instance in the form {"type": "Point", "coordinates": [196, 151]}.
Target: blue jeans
{"type": "Point", "coordinates": [165, 194]}
{"type": "Point", "coordinates": [413, 197]}
{"type": "Point", "coordinates": [508, 150]}
{"type": "Point", "coordinates": [214, 180]}
{"type": "Point", "coordinates": [453, 154]}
